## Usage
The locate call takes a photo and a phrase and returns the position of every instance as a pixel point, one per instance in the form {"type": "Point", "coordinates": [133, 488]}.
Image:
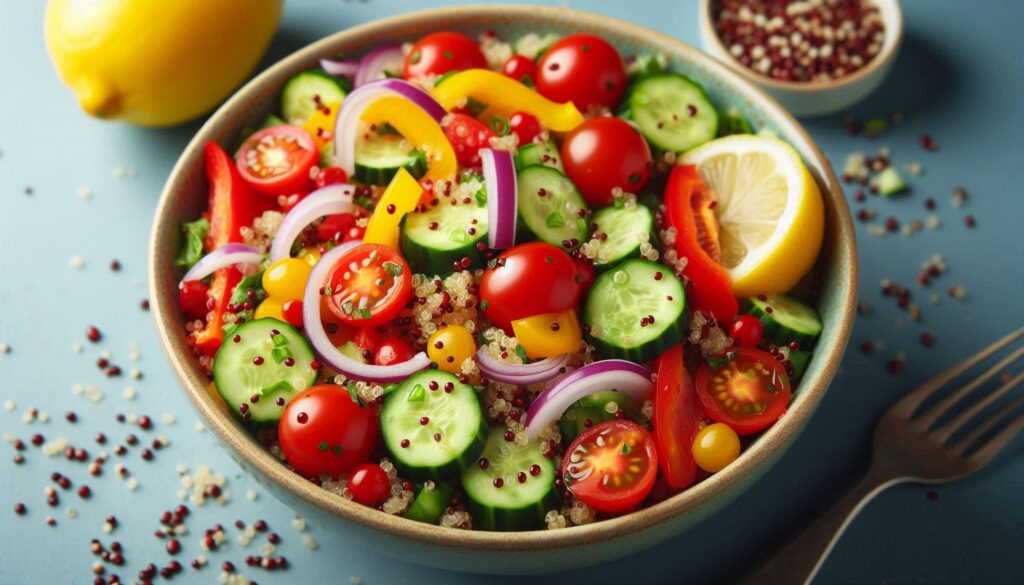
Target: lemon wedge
{"type": "Point", "coordinates": [769, 209]}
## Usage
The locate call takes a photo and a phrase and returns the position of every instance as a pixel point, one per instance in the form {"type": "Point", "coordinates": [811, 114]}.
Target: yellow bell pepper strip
{"type": "Point", "coordinates": [549, 335]}
{"type": "Point", "coordinates": [401, 197]}
{"type": "Point", "coordinates": [505, 96]}
{"type": "Point", "coordinates": [320, 125]}
{"type": "Point", "coordinates": [416, 126]}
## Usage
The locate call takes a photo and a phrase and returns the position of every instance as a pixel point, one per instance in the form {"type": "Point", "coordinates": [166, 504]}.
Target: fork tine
{"type": "Point", "coordinates": [929, 417]}
{"type": "Point", "coordinates": [964, 443]}
{"type": "Point", "coordinates": [909, 403]}
{"type": "Point", "coordinates": [945, 431]}
{"type": "Point", "coordinates": [993, 446]}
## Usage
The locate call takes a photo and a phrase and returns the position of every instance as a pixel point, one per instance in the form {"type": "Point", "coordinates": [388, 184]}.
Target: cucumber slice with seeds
{"type": "Point", "coordinates": [442, 421]}
{"type": "Point", "coordinates": [379, 159]}
{"type": "Point", "coordinates": [301, 93]}
{"type": "Point", "coordinates": [672, 112]}
{"type": "Point", "coordinates": [432, 241]}
{"type": "Point", "coordinates": [257, 365]}
{"type": "Point", "coordinates": [550, 207]}
{"type": "Point", "coordinates": [432, 499]}
{"type": "Point", "coordinates": [514, 489]}
{"type": "Point", "coordinates": [626, 228]}
{"type": "Point", "coordinates": [621, 303]}
{"type": "Point", "coordinates": [539, 153]}
{"type": "Point", "coordinates": [785, 320]}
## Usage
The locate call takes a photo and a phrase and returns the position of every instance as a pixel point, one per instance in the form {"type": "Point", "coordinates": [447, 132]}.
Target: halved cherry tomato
{"type": "Point", "coordinates": [393, 350]}
{"type": "Point", "coordinates": [441, 52]}
{"type": "Point", "coordinates": [583, 69]}
{"type": "Point", "coordinates": [525, 126]}
{"type": "Point", "coordinates": [689, 209]}
{"type": "Point", "coordinates": [323, 431]}
{"type": "Point", "coordinates": [369, 285]}
{"type": "Point", "coordinates": [468, 135]}
{"type": "Point", "coordinates": [276, 160]}
{"type": "Point", "coordinates": [369, 484]}
{"type": "Point", "coordinates": [192, 296]}
{"type": "Point", "coordinates": [611, 467]}
{"type": "Point", "coordinates": [677, 414]}
{"type": "Point", "coordinates": [509, 289]}
{"type": "Point", "coordinates": [521, 68]}
{"type": "Point", "coordinates": [747, 390]}
{"type": "Point", "coordinates": [605, 153]}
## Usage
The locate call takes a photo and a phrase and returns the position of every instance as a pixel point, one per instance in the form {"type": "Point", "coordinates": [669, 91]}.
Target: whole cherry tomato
{"type": "Point", "coordinates": [509, 290]}
{"type": "Point", "coordinates": [441, 52]}
{"type": "Point", "coordinates": [393, 350]}
{"type": "Point", "coordinates": [525, 126]}
{"type": "Point", "coordinates": [604, 153]}
{"type": "Point", "coordinates": [323, 431]}
{"type": "Point", "coordinates": [330, 176]}
{"type": "Point", "coordinates": [746, 330]}
{"type": "Point", "coordinates": [520, 68]}
{"type": "Point", "coordinates": [369, 484]}
{"type": "Point", "coordinates": [467, 136]}
{"type": "Point", "coordinates": [583, 69]}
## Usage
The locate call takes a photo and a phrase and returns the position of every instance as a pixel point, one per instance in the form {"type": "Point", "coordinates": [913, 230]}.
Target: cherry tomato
{"type": "Point", "coordinates": [715, 447]}
{"type": "Point", "coordinates": [525, 126]}
{"type": "Point", "coordinates": [292, 312]}
{"type": "Point", "coordinates": [688, 209]}
{"type": "Point", "coordinates": [330, 176]}
{"type": "Point", "coordinates": [322, 431]}
{"type": "Point", "coordinates": [286, 279]}
{"type": "Point", "coordinates": [369, 484]}
{"type": "Point", "coordinates": [369, 285]}
{"type": "Point", "coordinates": [583, 69]}
{"type": "Point", "coordinates": [441, 52]}
{"type": "Point", "coordinates": [393, 350]}
{"type": "Point", "coordinates": [450, 346]}
{"type": "Point", "coordinates": [509, 290]}
{"type": "Point", "coordinates": [468, 135]}
{"type": "Point", "coordinates": [355, 233]}
{"type": "Point", "coordinates": [604, 153]}
{"type": "Point", "coordinates": [521, 68]}
{"type": "Point", "coordinates": [192, 297]}
{"type": "Point", "coordinates": [276, 160]}
{"type": "Point", "coordinates": [588, 274]}
{"type": "Point", "coordinates": [611, 467]}
{"type": "Point", "coordinates": [676, 416]}
{"type": "Point", "coordinates": [748, 390]}
{"type": "Point", "coordinates": [746, 330]}
{"type": "Point", "coordinates": [335, 228]}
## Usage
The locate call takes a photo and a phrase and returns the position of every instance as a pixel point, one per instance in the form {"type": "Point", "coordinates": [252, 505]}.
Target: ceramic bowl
{"type": "Point", "coordinates": [819, 97]}
{"type": "Point", "coordinates": [184, 198]}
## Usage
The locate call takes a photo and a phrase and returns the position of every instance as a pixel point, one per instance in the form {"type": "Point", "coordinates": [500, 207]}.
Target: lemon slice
{"type": "Point", "coordinates": [770, 213]}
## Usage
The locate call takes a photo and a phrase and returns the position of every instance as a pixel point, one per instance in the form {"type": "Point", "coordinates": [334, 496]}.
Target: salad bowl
{"type": "Point", "coordinates": [504, 552]}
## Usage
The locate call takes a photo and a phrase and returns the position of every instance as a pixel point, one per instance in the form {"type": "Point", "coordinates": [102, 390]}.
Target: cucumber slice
{"type": "Point", "coordinates": [619, 304]}
{"type": "Point", "coordinates": [533, 45]}
{"type": "Point", "coordinates": [432, 499]}
{"type": "Point", "coordinates": [549, 207]}
{"type": "Point", "coordinates": [432, 241]}
{"type": "Point", "coordinates": [600, 401]}
{"type": "Point", "coordinates": [578, 419]}
{"type": "Point", "coordinates": [645, 65]}
{"type": "Point", "coordinates": [625, 228]}
{"type": "Point", "coordinates": [510, 494]}
{"type": "Point", "coordinates": [543, 153]}
{"type": "Point", "coordinates": [300, 94]}
{"type": "Point", "coordinates": [785, 320]}
{"type": "Point", "coordinates": [732, 121]}
{"type": "Point", "coordinates": [379, 158]}
{"type": "Point", "coordinates": [239, 379]}
{"type": "Point", "coordinates": [673, 112]}
{"type": "Point", "coordinates": [799, 358]}
{"type": "Point", "coordinates": [453, 416]}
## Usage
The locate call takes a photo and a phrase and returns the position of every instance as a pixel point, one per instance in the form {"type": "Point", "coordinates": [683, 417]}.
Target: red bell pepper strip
{"type": "Point", "coordinates": [677, 414]}
{"type": "Point", "coordinates": [231, 208]}
{"type": "Point", "coordinates": [689, 209]}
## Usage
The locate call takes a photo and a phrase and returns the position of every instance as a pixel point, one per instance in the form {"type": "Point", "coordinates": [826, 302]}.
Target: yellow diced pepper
{"type": "Point", "coordinates": [401, 197]}
{"type": "Point", "coordinates": [320, 125]}
{"type": "Point", "coordinates": [549, 335]}
{"type": "Point", "coordinates": [416, 126]}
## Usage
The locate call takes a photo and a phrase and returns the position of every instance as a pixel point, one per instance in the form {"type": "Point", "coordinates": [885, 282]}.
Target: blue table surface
{"type": "Point", "coordinates": [958, 78]}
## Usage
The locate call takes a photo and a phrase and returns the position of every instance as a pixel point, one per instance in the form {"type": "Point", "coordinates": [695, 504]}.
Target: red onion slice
{"type": "Point", "coordinates": [520, 374]}
{"type": "Point", "coordinates": [328, 200]}
{"type": "Point", "coordinates": [388, 58]}
{"type": "Point", "coordinates": [226, 256]}
{"type": "Point", "coordinates": [620, 375]}
{"type": "Point", "coordinates": [346, 129]}
{"type": "Point", "coordinates": [330, 355]}
{"type": "Point", "coordinates": [346, 68]}
{"type": "Point", "coordinates": [502, 197]}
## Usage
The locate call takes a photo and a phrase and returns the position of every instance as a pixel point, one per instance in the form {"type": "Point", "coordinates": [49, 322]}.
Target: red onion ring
{"type": "Point", "coordinates": [328, 200]}
{"type": "Point", "coordinates": [346, 68]}
{"type": "Point", "coordinates": [226, 256]}
{"type": "Point", "coordinates": [322, 345]}
{"type": "Point", "coordinates": [376, 62]}
{"type": "Point", "coordinates": [502, 197]}
{"type": "Point", "coordinates": [520, 374]}
{"type": "Point", "coordinates": [619, 375]}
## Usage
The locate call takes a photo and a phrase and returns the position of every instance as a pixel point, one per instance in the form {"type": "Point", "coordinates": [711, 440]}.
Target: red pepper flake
{"type": "Point", "coordinates": [93, 334]}
{"type": "Point", "coordinates": [145, 423]}
{"type": "Point", "coordinates": [895, 366]}
{"type": "Point", "coordinates": [928, 143]}
{"type": "Point", "coordinates": [71, 417]}
{"type": "Point", "coordinates": [927, 339]}
{"type": "Point", "coordinates": [84, 492]}
{"type": "Point", "coordinates": [37, 439]}
{"type": "Point", "coordinates": [112, 371]}
{"type": "Point", "coordinates": [144, 305]}
{"type": "Point", "coordinates": [892, 224]}
{"type": "Point", "coordinates": [20, 509]}
{"type": "Point", "coordinates": [929, 203]}
{"type": "Point", "coordinates": [969, 221]}
{"type": "Point", "coordinates": [115, 265]}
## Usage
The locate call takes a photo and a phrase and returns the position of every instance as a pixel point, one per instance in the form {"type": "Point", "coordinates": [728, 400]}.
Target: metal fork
{"type": "Point", "coordinates": [908, 449]}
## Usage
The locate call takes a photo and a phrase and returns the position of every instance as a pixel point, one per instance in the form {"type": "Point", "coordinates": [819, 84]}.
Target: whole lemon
{"type": "Point", "coordinates": [156, 63]}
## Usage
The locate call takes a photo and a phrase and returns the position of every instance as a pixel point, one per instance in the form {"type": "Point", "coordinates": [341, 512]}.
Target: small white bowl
{"type": "Point", "coordinates": [815, 98]}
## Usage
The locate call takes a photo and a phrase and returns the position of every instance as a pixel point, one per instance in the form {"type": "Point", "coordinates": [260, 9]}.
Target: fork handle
{"type": "Point", "coordinates": [800, 560]}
